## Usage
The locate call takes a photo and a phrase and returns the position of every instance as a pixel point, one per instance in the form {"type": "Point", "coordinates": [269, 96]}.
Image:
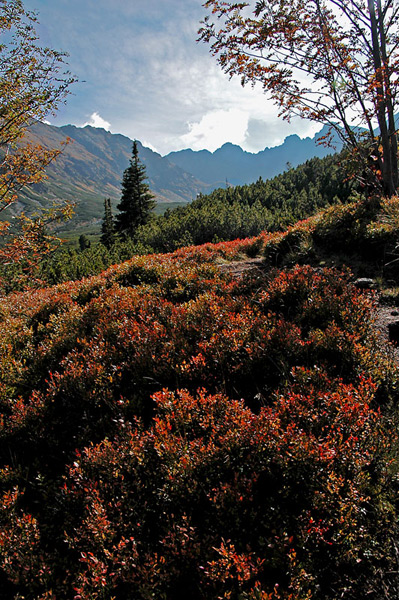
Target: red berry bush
{"type": "Point", "coordinates": [167, 431]}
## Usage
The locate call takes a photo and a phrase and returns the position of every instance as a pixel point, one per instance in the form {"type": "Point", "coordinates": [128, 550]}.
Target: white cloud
{"type": "Point", "coordinates": [216, 128]}
{"type": "Point", "coordinates": [163, 89]}
{"type": "Point", "coordinates": [97, 121]}
{"type": "Point", "coordinates": [150, 146]}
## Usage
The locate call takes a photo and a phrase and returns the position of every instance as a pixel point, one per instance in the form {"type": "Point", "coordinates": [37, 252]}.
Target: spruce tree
{"type": "Point", "coordinates": [84, 242]}
{"type": "Point", "coordinates": [137, 201]}
{"type": "Point", "coordinates": [107, 227]}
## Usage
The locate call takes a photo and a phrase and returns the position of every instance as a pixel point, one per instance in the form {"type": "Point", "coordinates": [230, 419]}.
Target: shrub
{"type": "Point", "coordinates": [167, 430]}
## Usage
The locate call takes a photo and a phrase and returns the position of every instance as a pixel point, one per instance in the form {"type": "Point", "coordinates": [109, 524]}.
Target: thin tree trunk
{"type": "Point", "coordinates": [386, 159]}
{"type": "Point", "coordinates": [393, 140]}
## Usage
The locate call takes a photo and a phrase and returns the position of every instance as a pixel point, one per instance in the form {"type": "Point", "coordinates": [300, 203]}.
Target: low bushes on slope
{"type": "Point", "coordinates": [360, 234]}
{"type": "Point", "coordinates": [168, 432]}
{"type": "Point", "coordinates": [225, 214]}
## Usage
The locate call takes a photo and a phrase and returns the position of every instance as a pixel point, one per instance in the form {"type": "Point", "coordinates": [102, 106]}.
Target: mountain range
{"type": "Point", "coordinates": [92, 164]}
{"type": "Point", "coordinates": [233, 165]}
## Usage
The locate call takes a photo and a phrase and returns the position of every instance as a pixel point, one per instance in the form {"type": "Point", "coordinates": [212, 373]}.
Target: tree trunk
{"type": "Point", "coordinates": [393, 140]}
{"type": "Point", "coordinates": [388, 161]}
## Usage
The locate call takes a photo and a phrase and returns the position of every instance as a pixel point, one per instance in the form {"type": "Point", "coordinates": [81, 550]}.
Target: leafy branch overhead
{"type": "Point", "coordinates": [33, 82]}
{"type": "Point", "coordinates": [332, 62]}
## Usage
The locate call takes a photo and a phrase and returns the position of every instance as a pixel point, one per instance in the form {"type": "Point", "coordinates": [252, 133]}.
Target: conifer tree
{"type": "Point", "coordinates": [137, 201]}
{"type": "Point", "coordinates": [107, 227]}
{"type": "Point", "coordinates": [84, 242]}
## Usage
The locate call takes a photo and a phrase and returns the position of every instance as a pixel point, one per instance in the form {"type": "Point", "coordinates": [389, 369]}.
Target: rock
{"type": "Point", "coordinates": [365, 283]}
{"type": "Point", "coordinates": [393, 330]}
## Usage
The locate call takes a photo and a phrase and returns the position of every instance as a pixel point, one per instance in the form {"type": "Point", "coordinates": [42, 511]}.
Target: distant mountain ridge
{"type": "Point", "coordinates": [91, 168]}
{"type": "Point", "coordinates": [238, 167]}
{"type": "Point", "coordinates": [92, 164]}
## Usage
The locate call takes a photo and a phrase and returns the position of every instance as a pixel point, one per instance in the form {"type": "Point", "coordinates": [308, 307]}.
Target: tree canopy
{"type": "Point", "coordinates": [33, 82]}
{"type": "Point", "coordinates": [331, 61]}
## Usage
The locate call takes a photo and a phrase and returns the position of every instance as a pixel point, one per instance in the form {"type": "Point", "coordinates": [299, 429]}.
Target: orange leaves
{"type": "Point", "coordinates": [23, 168]}
{"type": "Point", "coordinates": [192, 433]}
{"type": "Point", "coordinates": [291, 480]}
{"type": "Point", "coordinates": [19, 542]}
{"type": "Point", "coordinates": [32, 85]}
{"type": "Point", "coordinates": [232, 566]}
{"type": "Point", "coordinates": [209, 417]}
{"type": "Point", "coordinates": [330, 62]}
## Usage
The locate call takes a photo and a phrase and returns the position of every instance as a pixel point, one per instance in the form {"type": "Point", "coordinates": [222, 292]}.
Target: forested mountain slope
{"type": "Point", "coordinates": [244, 211]}
{"type": "Point", "coordinates": [91, 167]}
{"type": "Point", "coordinates": [92, 164]}
{"type": "Point", "coordinates": [225, 214]}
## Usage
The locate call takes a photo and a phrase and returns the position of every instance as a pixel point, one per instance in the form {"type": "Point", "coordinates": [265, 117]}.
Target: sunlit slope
{"type": "Point", "coordinates": [169, 430]}
{"type": "Point", "coordinates": [91, 166]}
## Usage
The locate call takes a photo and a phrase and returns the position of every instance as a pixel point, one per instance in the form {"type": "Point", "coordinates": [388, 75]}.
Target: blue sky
{"type": "Point", "coordinates": [141, 73]}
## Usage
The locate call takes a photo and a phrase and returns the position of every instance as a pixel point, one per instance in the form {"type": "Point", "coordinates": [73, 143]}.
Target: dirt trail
{"type": "Point", "coordinates": [239, 267]}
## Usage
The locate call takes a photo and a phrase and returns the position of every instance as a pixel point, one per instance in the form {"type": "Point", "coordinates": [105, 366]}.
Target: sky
{"type": "Point", "coordinates": [142, 73]}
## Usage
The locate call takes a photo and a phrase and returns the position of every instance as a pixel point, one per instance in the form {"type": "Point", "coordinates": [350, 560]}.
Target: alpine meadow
{"type": "Point", "coordinates": [202, 402]}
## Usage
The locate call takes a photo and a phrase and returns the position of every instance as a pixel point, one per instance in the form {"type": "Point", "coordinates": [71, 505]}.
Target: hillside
{"type": "Point", "coordinates": [200, 403]}
{"type": "Point", "coordinates": [92, 165]}
{"type": "Point", "coordinates": [244, 211]}
{"type": "Point", "coordinates": [225, 214]}
{"type": "Point", "coordinates": [169, 430]}
{"type": "Point", "coordinates": [91, 168]}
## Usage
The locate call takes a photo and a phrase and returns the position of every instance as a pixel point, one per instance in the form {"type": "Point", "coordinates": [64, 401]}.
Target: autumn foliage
{"type": "Point", "coordinates": [33, 82]}
{"type": "Point", "coordinates": [332, 62]}
{"type": "Point", "coordinates": [167, 431]}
